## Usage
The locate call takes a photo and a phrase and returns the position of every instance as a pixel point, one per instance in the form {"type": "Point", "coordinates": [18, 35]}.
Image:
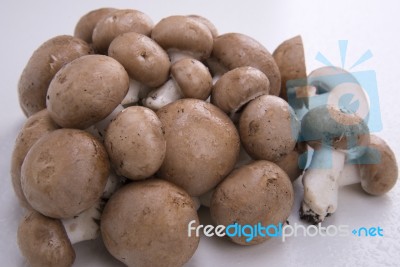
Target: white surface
{"type": "Point", "coordinates": [370, 25]}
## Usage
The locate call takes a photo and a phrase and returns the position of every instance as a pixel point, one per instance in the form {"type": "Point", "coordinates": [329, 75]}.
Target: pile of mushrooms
{"type": "Point", "coordinates": [131, 125]}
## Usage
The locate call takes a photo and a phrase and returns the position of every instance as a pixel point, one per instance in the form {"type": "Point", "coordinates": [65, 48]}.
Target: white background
{"type": "Point", "coordinates": [373, 25]}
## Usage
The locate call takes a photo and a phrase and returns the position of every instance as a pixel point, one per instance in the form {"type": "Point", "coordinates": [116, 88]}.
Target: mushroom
{"type": "Point", "coordinates": [182, 36]}
{"type": "Point", "coordinates": [202, 145]}
{"type": "Point", "coordinates": [64, 173]}
{"type": "Point", "coordinates": [289, 56]}
{"type": "Point", "coordinates": [268, 128]}
{"type": "Point", "coordinates": [85, 26]}
{"type": "Point", "coordinates": [145, 224]}
{"type": "Point", "coordinates": [41, 68]}
{"type": "Point", "coordinates": [336, 136]}
{"type": "Point", "coordinates": [232, 50]}
{"type": "Point", "coordinates": [207, 22]}
{"type": "Point", "coordinates": [378, 169]}
{"type": "Point", "coordinates": [257, 194]}
{"type": "Point", "coordinates": [119, 22]}
{"type": "Point", "coordinates": [86, 91]}
{"type": "Point", "coordinates": [144, 60]}
{"type": "Point", "coordinates": [189, 79]}
{"type": "Point", "coordinates": [135, 143]}
{"type": "Point", "coordinates": [238, 87]}
{"type": "Point", "coordinates": [44, 242]}
{"type": "Point", "coordinates": [47, 242]}
{"type": "Point", "coordinates": [36, 126]}
{"type": "Point", "coordinates": [292, 164]}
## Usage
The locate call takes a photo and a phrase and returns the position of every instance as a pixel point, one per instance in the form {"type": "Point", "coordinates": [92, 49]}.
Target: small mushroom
{"type": "Point", "coordinates": [289, 56]}
{"type": "Point", "coordinates": [135, 143]}
{"type": "Point", "coordinates": [189, 79]}
{"type": "Point", "coordinates": [86, 91]}
{"type": "Point", "coordinates": [144, 60]}
{"type": "Point", "coordinates": [36, 126]}
{"type": "Point", "coordinates": [378, 167]}
{"type": "Point", "coordinates": [119, 22]}
{"type": "Point", "coordinates": [336, 136]}
{"type": "Point", "coordinates": [47, 242]}
{"type": "Point", "coordinates": [145, 224]}
{"type": "Point", "coordinates": [85, 26]}
{"type": "Point", "coordinates": [202, 145]}
{"type": "Point", "coordinates": [41, 68]}
{"type": "Point", "coordinates": [268, 128]}
{"type": "Point", "coordinates": [292, 165]}
{"type": "Point", "coordinates": [44, 242]}
{"type": "Point", "coordinates": [64, 173]}
{"type": "Point", "coordinates": [257, 193]}
{"type": "Point", "coordinates": [233, 50]}
{"type": "Point", "coordinates": [182, 36]}
{"type": "Point", "coordinates": [238, 87]}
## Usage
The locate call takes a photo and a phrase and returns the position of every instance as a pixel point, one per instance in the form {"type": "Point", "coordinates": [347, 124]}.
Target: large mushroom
{"type": "Point", "coordinates": [135, 143]}
{"type": "Point", "coordinates": [259, 193]}
{"type": "Point", "coordinates": [44, 63]}
{"type": "Point", "coordinates": [145, 224]}
{"type": "Point", "coordinates": [202, 145]}
{"type": "Point", "coordinates": [86, 91]}
{"type": "Point", "coordinates": [238, 87]}
{"type": "Point", "coordinates": [268, 128]}
{"type": "Point", "coordinates": [64, 173]}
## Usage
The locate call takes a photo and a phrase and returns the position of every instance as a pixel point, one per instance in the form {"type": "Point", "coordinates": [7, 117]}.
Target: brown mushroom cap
{"type": "Point", "coordinates": [36, 126]}
{"type": "Point", "coordinates": [64, 173]}
{"type": "Point", "coordinates": [41, 68]}
{"type": "Point", "coordinates": [234, 50]}
{"type": "Point", "coordinates": [290, 165]}
{"type": "Point", "coordinates": [259, 192]}
{"type": "Point", "coordinates": [207, 22]}
{"type": "Point", "coordinates": [193, 78]}
{"type": "Point", "coordinates": [135, 143]}
{"type": "Point", "coordinates": [86, 91]}
{"type": "Point", "coordinates": [146, 224]}
{"type": "Point", "coordinates": [289, 56]}
{"type": "Point", "coordinates": [202, 145]}
{"type": "Point", "coordinates": [336, 128]}
{"type": "Point", "coordinates": [118, 22]}
{"type": "Point", "coordinates": [238, 87]}
{"type": "Point", "coordinates": [268, 128]}
{"type": "Point", "coordinates": [378, 167]}
{"type": "Point", "coordinates": [144, 60]}
{"type": "Point", "coordinates": [44, 242]}
{"type": "Point", "coordinates": [85, 26]}
{"type": "Point", "coordinates": [181, 33]}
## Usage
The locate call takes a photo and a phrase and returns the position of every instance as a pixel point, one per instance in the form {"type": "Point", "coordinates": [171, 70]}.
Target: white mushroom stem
{"type": "Point", "coordinates": [205, 199]}
{"type": "Point", "coordinates": [350, 175]}
{"type": "Point", "coordinates": [321, 183]}
{"type": "Point", "coordinates": [114, 182]}
{"type": "Point", "coordinates": [84, 226]}
{"type": "Point", "coordinates": [176, 55]}
{"type": "Point", "coordinates": [136, 92]}
{"type": "Point", "coordinates": [167, 93]}
{"type": "Point", "coordinates": [102, 125]}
